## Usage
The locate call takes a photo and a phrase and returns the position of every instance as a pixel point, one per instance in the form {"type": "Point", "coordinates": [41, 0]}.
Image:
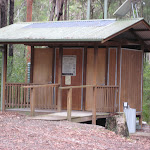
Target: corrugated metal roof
{"type": "Point", "coordinates": [93, 30]}
{"type": "Point", "coordinates": [90, 23]}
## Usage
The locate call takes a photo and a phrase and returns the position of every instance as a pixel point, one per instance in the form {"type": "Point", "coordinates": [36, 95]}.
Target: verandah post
{"type": "Point", "coordinates": [32, 101]}
{"type": "Point", "coordinates": [95, 83]}
{"type": "Point", "coordinates": [60, 79]}
{"type": "Point", "coordinates": [4, 77]}
{"type": "Point", "coordinates": [69, 104]}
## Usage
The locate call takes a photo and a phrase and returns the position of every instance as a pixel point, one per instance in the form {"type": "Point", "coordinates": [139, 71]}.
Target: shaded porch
{"type": "Point", "coordinates": [21, 97]}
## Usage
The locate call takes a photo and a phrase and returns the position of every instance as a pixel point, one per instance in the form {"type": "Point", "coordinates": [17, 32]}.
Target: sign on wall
{"type": "Point", "coordinates": [69, 65]}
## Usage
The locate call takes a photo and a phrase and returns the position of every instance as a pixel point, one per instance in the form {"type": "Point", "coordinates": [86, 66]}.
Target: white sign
{"type": "Point", "coordinates": [67, 80]}
{"type": "Point", "coordinates": [69, 65]}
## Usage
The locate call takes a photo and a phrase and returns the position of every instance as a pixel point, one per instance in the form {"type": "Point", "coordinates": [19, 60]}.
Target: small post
{"type": "Point", "coordinates": [95, 83]}
{"type": "Point", "coordinates": [32, 101]}
{"type": "Point", "coordinates": [60, 79]}
{"type": "Point", "coordinates": [32, 64]}
{"type": "Point", "coordinates": [69, 104]}
{"type": "Point", "coordinates": [3, 77]}
{"type": "Point", "coordinates": [140, 120]}
{"type": "Point", "coordinates": [94, 105]}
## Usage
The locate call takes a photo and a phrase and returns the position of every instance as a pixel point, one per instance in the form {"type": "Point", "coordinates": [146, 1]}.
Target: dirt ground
{"type": "Point", "coordinates": [17, 132]}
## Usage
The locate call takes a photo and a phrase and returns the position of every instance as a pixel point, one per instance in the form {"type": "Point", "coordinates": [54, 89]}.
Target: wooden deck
{"type": "Point", "coordinates": [53, 115]}
{"type": "Point", "coordinates": [76, 116]}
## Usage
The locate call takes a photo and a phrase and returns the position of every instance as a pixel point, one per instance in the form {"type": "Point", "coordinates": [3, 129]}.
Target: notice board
{"type": "Point", "coordinates": [69, 65]}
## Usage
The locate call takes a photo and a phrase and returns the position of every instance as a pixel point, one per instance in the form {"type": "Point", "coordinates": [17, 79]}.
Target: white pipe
{"type": "Point", "coordinates": [105, 8]}
{"type": "Point", "coordinates": [88, 9]}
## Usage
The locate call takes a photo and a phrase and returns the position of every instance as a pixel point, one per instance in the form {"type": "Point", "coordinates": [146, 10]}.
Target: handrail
{"type": "Point", "coordinates": [43, 85]}
{"type": "Point", "coordinates": [107, 86]}
{"type": "Point", "coordinates": [80, 86]}
{"type": "Point", "coordinates": [20, 83]}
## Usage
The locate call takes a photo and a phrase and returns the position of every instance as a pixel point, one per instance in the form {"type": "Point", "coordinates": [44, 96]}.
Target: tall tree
{"type": "Point", "coordinates": [60, 4]}
{"type": "Point", "coordinates": [65, 12]}
{"type": "Point", "coordinates": [52, 12]}
{"type": "Point", "coordinates": [11, 21]}
{"type": "Point", "coordinates": [29, 10]}
{"type": "Point", "coordinates": [4, 9]}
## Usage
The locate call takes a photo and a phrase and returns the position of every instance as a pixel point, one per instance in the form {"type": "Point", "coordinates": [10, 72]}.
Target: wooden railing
{"type": "Point", "coordinates": [42, 96]}
{"type": "Point", "coordinates": [16, 97]}
{"type": "Point", "coordinates": [106, 98]}
{"type": "Point", "coordinates": [69, 97]}
{"type": "Point", "coordinates": [19, 97]}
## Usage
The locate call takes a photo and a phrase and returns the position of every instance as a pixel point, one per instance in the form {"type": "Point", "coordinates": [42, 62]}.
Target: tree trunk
{"type": "Point", "coordinates": [68, 9]}
{"type": "Point", "coordinates": [11, 21]}
{"type": "Point", "coordinates": [4, 9]}
{"type": "Point", "coordinates": [53, 10]}
{"type": "Point", "coordinates": [29, 10]}
{"type": "Point", "coordinates": [0, 12]}
{"type": "Point", "coordinates": [60, 9]}
{"type": "Point", "coordinates": [65, 13]}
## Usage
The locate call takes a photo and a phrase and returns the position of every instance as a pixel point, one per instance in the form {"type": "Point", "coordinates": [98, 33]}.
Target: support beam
{"type": "Point", "coordinates": [140, 30]}
{"type": "Point", "coordinates": [119, 58]}
{"type": "Point", "coordinates": [84, 77]}
{"type": "Point", "coordinates": [59, 105]}
{"type": "Point", "coordinates": [3, 77]}
{"type": "Point", "coordinates": [139, 38]}
{"type": "Point", "coordinates": [32, 64]}
{"type": "Point", "coordinates": [32, 101]}
{"type": "Point", "coordinates": [69, 104]}
{"type": "Point", "coordinates": [140, 120]}
{"type": "Point", "coordinates": [95, 83]}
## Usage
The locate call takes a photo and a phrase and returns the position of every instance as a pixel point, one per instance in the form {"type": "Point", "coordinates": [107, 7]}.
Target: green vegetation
{"type": "Point", "coordinates": [146, 92]}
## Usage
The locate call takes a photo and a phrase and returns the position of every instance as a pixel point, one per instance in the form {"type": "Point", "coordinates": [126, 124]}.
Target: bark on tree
{"type": "Point", "coordinates": [11, 21]}
{"type": "Point", "coordinates": [29, 10]}
{"type": "Point", "coordinates": [4, 9]}
{"type": "Point", "coordinates": [60, 9]}
{"type": "Point", "coordinates": [65, 12]}
{"type": "Point", "coordinates": [52, 12]}
{"type": "Point", "coordinates": [0, 11]}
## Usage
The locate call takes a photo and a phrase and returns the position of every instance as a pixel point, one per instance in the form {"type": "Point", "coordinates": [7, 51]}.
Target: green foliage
{"type": "Point", "coordinates": [146, 92]}
{"type": "Point", "coordinates": [16, 65]}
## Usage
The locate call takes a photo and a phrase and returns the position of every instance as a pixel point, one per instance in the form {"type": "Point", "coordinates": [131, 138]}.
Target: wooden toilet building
{"type": "Point", "coordinates": [89, 65]}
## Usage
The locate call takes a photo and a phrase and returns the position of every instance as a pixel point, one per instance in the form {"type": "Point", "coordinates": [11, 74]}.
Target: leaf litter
{"type": "Point", "coordinates": [19, 133]}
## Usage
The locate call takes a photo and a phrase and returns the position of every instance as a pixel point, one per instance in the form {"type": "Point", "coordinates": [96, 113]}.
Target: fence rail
{"type": "Point", "coordinates": [106, 98]}
{"type": "Point", "coordinates": [18, 95]}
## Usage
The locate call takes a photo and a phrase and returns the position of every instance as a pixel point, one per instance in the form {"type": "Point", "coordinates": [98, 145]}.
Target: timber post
{"type": "Point", "coordinates": [32, 64]}
{"type": "Point", "coordinates": [60, 79]}
{"type": "Point", "coordinates": [69, 104]}
{"type": "Point", "coordinates": [4, 77]}
{"type": "Point", "coordinates": [95, 83]}
{"type": "Point", "coordinates": [32, 101]}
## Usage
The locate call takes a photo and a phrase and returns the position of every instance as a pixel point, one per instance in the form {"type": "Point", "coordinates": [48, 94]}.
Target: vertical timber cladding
{"type": "Point", "coordinates": [74, 80]}
{"type": "Point", "coordinates": [131, 69]}
{"type": "Point", "coordinates": [101, 70]}
{"type": "Point", "coordinates": [112, 66]}
{"type": "Point", "coordinates": [42, 74]}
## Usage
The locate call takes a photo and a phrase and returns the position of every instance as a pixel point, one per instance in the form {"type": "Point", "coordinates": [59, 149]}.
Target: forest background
{"type": "Point", "coordinates": [12, 11]}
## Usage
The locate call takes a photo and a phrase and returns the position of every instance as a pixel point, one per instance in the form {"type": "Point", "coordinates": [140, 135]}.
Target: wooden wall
{"type": "Point", "coordinates": [101, 70]}
{"type": "Point", "coordinates": [112, 66]}
{"type": "Point", "coordinates": [42, 74]}
{"type": "Point", "coordinates": [131, 69]}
